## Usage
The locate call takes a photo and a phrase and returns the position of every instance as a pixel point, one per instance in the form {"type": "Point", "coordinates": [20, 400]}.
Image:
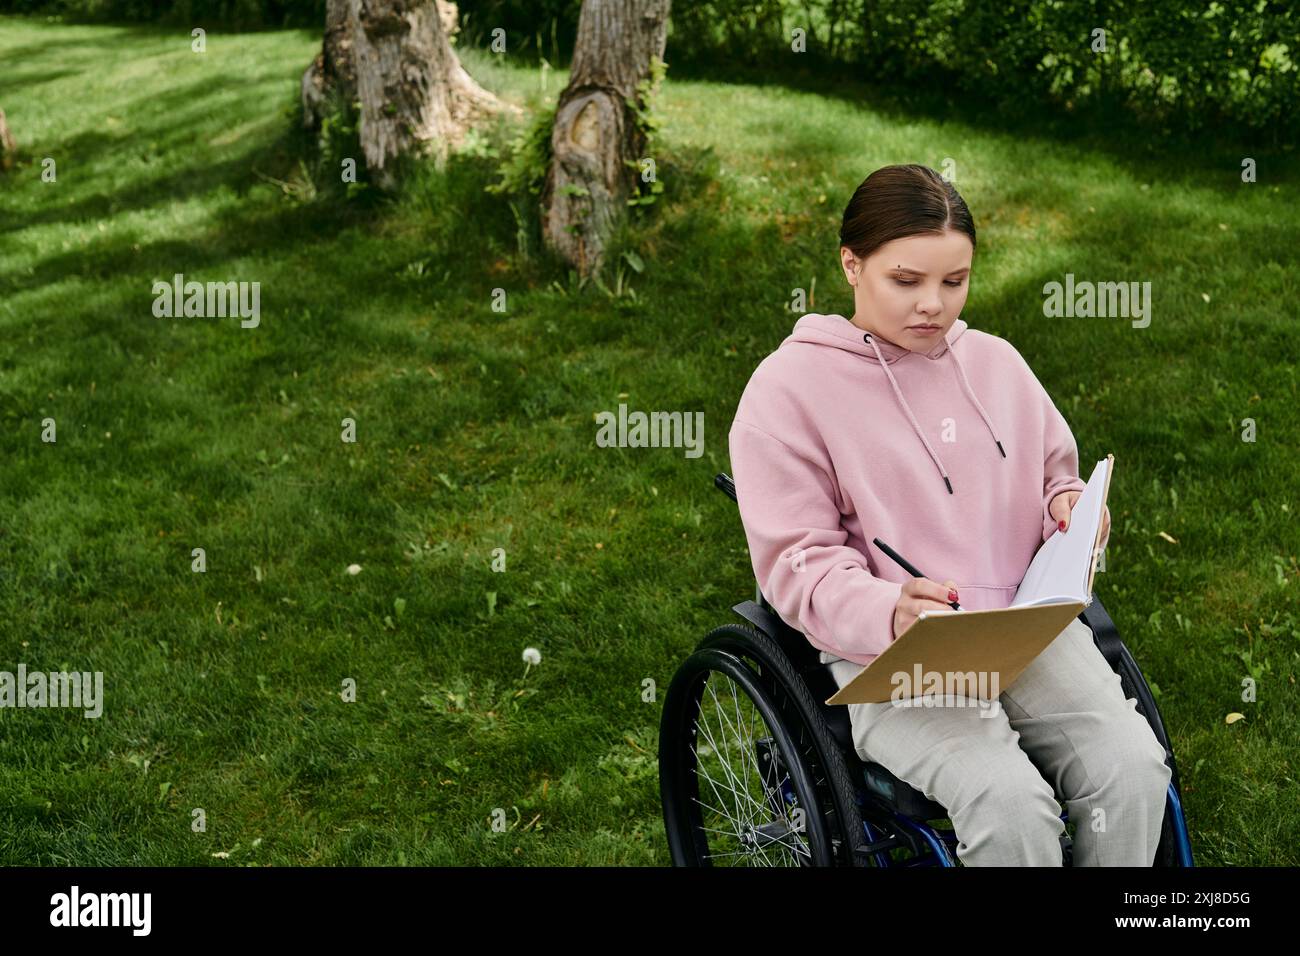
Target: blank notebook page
{"type": "Point", "coordinates": [1059, 571]}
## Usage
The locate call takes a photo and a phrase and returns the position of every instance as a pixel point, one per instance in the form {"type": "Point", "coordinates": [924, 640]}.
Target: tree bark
{"type": "Point", "coordinates": [393, 57]}
{"type": "Point", "coordinates": [8, 148]}
{"type": "Point", "coordinates": [332, 69]}
{"type": "Point", "coordinates": [596, 133]}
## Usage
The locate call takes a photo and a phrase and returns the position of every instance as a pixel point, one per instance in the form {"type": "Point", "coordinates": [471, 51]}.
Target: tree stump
{"type": "Point", "coordinates": [596, 134]}
{"type": "Point", "coordinates": [8, 148]}
{"type": "Point", "coordinates": [394, 59]}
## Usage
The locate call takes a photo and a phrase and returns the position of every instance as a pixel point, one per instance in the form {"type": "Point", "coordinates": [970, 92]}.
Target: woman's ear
{"type": "Point", "coordinates": [849, 263]}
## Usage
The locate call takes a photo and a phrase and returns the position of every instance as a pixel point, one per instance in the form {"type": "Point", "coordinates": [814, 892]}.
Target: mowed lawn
{"type": "Point", "coordinates": [476, 442]}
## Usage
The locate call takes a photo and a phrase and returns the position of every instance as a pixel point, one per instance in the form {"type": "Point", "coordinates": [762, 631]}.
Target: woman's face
{"type": "Point", "coordinates": [910, 291]}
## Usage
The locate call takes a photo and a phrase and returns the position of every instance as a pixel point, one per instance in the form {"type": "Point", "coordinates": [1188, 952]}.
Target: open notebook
{"type": "Point", "coordinates": [1056, 587]}
{"type": "Point", "coordinates": [1065, 565]}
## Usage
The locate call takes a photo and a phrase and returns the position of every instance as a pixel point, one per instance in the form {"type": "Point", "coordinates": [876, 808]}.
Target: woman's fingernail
{"type": "Point", "coordinates": [952, 594]}
{"type": "Point", "coordinates": [1060, 525]}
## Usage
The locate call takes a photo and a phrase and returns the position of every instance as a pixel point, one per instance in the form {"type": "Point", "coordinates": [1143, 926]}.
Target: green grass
{"type": "Point", "coordinates": [475, 432]}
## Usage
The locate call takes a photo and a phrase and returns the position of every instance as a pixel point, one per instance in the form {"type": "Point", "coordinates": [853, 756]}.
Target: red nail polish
{"type": "Point", "coordinates": [952, 595]}
{"type": "Point", "coordinates": [1060, 525]}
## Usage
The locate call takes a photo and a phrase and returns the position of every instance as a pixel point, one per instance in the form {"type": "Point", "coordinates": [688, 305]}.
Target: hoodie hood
{"type": "Point", "coordinates": [838, 332]}
{"type": "Point", "coordinates": [835, 331]}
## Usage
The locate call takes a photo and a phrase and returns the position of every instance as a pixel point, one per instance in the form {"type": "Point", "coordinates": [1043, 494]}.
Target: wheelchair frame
{"type": "Point", "coordinates": [892, 813]}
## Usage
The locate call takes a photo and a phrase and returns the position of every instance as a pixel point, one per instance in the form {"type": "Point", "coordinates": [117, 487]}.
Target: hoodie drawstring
{"type": "Point", "coordinates": [975, 401]}
{"type": "Point", "coordinates": [898, 394]}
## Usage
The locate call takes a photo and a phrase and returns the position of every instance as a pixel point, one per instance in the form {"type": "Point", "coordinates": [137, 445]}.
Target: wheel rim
{"type": "Point", "coordinates": [745, 795]}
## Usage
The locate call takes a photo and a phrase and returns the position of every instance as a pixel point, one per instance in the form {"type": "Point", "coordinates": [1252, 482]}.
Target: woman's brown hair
{"type": "Point", "coordinates": [895, 202]}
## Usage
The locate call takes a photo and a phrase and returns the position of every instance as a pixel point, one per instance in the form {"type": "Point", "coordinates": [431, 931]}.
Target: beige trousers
{"type": "Point", "coordinates": [1063, 730]}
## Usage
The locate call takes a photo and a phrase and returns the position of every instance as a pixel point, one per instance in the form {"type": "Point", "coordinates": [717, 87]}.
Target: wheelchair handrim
{"type": "Point", "coordinates": [732, 797]}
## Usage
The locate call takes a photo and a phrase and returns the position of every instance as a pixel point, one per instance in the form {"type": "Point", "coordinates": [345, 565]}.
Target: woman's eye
{"type": "Point", "coordinates": [904, 282]}
{"type": "Point", "coordinates": [955, 284]}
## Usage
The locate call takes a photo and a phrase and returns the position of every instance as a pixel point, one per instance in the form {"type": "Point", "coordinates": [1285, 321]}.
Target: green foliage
{"type": "Point", "coordinates": [338, 147]}
{"type": "Point", "coordinates": [1183, 63]}
{"type": "Point", "coordinates": [649, 121]}
{"type": "Point", "coordinates": [522, 170]}
{"type": "Point", "coordinates": [236, 14]}
{"type": "Point", "coordinates": [642, 105]}
{"type": "Point", "coordinates": [521, 175]}
{"type": "Point", "coordinates": [1178, 62]}
{"type": "Point", "coordinates": [535, 29]}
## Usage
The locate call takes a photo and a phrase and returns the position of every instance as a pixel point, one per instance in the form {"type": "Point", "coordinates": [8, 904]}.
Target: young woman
{"type": "Point", "coordinates": [902, 423]}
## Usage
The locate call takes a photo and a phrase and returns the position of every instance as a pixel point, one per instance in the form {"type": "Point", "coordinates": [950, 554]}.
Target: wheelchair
{"type": "Point", "coordinates": [756, 770]}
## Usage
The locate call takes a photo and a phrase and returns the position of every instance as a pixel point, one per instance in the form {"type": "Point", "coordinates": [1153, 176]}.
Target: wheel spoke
{"type": "Point", "coordinates": [726, 761]}
{"type": "Point", "coordinates": [758, 840]}
{"type": "Point", "coordinates": [724, 755]}
{"type": "Point", "coordinates": [699, 771]}
{"type": "Point", "coordinates": [742, 821]}
{"type": "Point", "coordinates": [741, 792]}
{"type": "Point", "coordinates": [746, 745]}
{"type": "Point", "coordinates": [713, 784]}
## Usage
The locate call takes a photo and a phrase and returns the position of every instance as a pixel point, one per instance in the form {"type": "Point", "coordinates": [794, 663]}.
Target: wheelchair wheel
{"type": "Point", "coordinates": [745, 777]}
{"type": "Point", "coordinates": [1173, 849]}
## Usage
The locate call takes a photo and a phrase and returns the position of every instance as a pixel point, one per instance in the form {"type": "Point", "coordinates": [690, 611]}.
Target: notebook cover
{"type": "Point", "coordinates": [997, 641]}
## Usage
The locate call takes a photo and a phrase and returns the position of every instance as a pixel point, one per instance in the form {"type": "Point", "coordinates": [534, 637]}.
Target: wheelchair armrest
{"type": "Point", "coordinates": [1104, 632]}
{"type": "Point", "coordinates": [1117, 655]}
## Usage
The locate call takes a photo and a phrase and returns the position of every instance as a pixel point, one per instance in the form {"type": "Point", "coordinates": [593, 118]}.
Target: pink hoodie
{"type": "Point", "coordinates": [949, 456]}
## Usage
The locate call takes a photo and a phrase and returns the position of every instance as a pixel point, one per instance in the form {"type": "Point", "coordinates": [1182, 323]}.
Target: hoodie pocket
{"type": "Point", "coordinates": [986, 595]}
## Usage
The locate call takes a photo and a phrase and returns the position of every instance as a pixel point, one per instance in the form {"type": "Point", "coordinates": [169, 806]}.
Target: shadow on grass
{"type": "Point", "coordinates": [171, 111]}
{"type": "Point", "coordinates": [1144, 148]}
{"type": "Point", "coordinates": [159, 29]}
{"type": "Point", "coordinates": [23, 81]}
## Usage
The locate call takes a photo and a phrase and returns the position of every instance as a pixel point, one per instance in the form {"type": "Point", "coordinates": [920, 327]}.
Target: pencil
{"type": "Point", "coordinates": [906, 566]}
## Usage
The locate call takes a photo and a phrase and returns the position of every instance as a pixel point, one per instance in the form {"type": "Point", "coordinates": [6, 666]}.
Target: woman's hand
{"type": "Point", "coordinates": [921, 594]}
{"type": "Point", "coordinates": [1061, 506]}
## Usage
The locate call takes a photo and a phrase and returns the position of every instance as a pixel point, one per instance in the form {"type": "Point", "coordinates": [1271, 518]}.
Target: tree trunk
{"type": "Point", "coordinates": [596, 134]}
{"type": "Point", "coordinates": [8, 148]}
{"type": "Point", "coordinates": [394, 58]}
{"type": "Point", "coordinates": [332, 69]}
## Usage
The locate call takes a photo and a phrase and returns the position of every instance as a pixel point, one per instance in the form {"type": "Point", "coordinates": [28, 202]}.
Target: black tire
{"type": "Point", "coordinates": [806, 762]}
{"type": "Point", "coordinates": [1134, 685]}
